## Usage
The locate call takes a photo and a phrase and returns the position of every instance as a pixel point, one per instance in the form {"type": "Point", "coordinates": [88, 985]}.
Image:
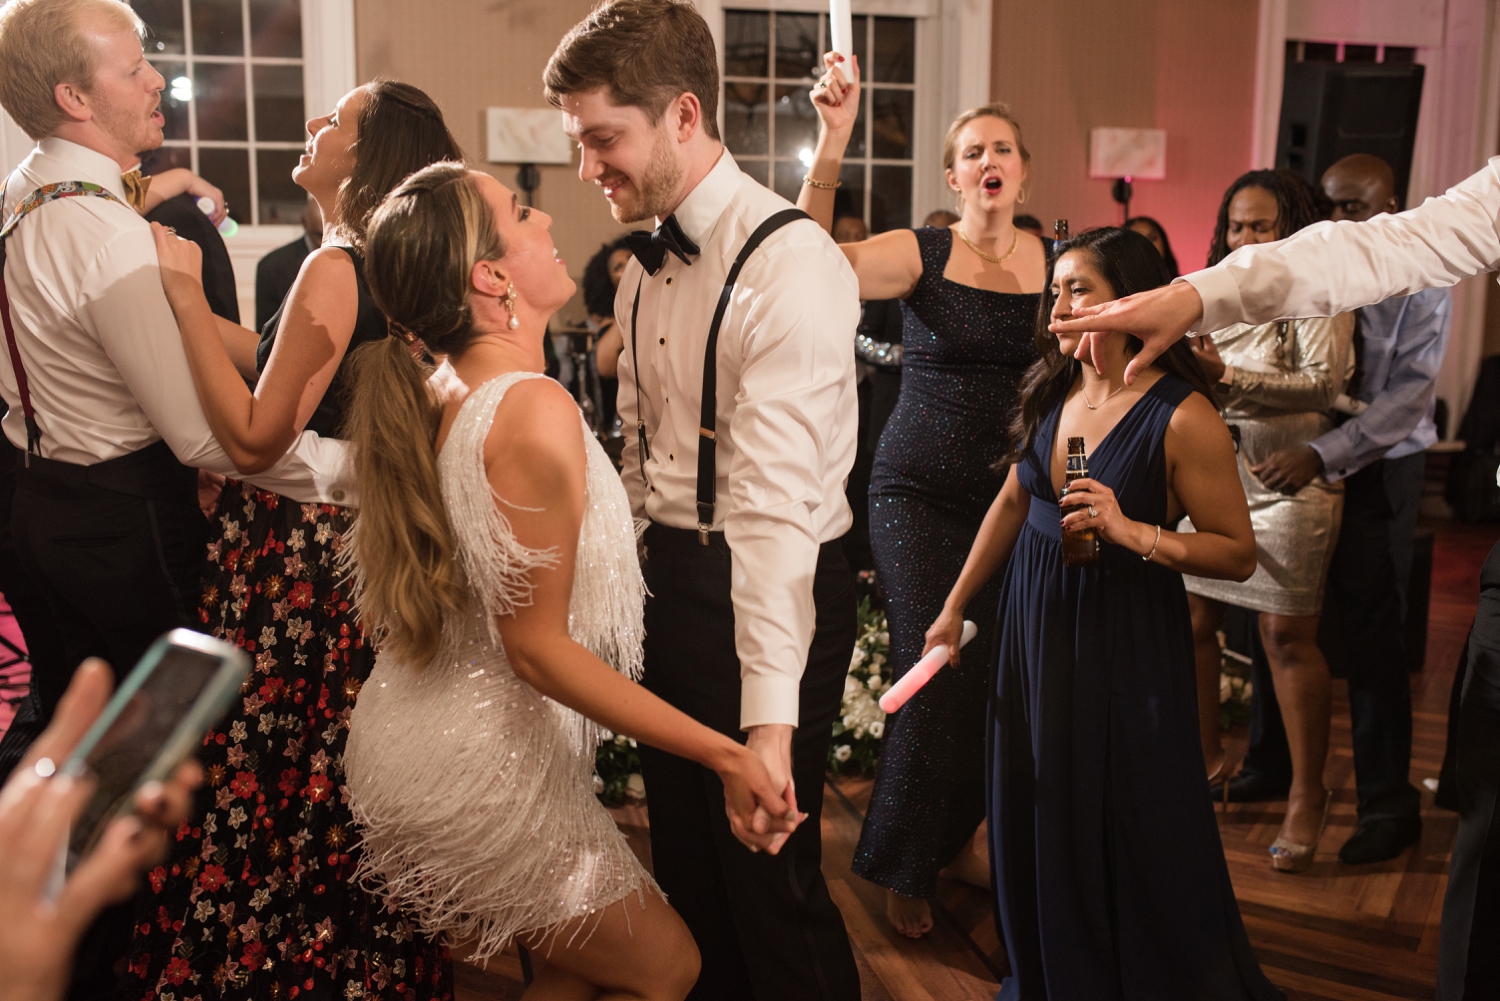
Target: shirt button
{"type": "Point", "coordinates": [338, 495]}
{"type": "Point", "coordinates": [669, 281]}
{"type": "Point", "coordinates": [671, 457]}
{"type": "Point", "coordinates": [662, 340]}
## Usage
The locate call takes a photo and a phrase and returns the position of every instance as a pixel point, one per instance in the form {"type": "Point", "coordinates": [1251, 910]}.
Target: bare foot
{"type": "Point", "coordinates": [972, 863]}
{"type": "Point", "coordinates": [1304, 817]}
{"type": "Point", "coordinates": [908, 915]}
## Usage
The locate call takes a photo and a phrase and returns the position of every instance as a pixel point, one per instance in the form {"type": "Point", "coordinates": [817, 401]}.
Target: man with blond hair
{"type": "Point", "coordinates": [102, 413]}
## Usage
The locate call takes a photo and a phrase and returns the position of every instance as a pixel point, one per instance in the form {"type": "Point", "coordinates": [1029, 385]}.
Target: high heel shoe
{"type": "Point", "coordinates": [1288, 856]}
{"type": "Point", "coordinates": [1220, 778]}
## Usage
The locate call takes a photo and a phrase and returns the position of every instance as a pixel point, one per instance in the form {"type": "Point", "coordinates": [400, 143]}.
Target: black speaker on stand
{"type": "Point", "coordinates": [1331, 110]}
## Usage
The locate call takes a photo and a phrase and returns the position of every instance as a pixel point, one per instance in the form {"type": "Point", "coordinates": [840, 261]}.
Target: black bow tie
{"type": "Point", "coordinates": [651, 248]}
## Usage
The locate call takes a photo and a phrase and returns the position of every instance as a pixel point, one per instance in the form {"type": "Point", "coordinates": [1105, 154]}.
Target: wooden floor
{"type": "Point", "coordinates": [1338, 932]}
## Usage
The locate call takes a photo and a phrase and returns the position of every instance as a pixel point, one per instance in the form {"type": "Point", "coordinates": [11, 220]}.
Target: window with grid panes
{"type": "Point", "coordinates": [772, 58]}
{"type": "Point", "coordinates": [233, 100]}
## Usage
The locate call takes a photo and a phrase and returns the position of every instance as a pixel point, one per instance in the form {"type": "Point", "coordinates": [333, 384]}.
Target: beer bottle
{"type": "Point", "coordinates": [1059, 233]}
{"type": "Point", "coordinates": [1080, 547]}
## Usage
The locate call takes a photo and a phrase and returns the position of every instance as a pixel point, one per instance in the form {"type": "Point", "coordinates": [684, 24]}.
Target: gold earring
{"type": "Point", "coordinates": [510, 304]}
{"type": "Point", "coordinates": [1021, 197]}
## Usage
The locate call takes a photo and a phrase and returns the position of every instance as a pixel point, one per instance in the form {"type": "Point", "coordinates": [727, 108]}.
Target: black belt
{"type": "Point", "coordinates": [707, 473]}
{"type": "Point", "coordinates": [151, 473]}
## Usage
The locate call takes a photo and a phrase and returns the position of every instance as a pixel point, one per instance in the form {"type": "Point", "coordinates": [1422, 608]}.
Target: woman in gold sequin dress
{"type": "Point", "coordinates": [1278, 382]}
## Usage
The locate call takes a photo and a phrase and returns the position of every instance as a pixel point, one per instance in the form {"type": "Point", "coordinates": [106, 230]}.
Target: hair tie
{"type": "Point", "coordinates": [403, 332]}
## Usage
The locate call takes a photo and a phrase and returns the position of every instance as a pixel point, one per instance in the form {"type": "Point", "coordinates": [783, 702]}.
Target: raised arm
{"type": "Point", "coordinates": [1325, 269]}
{"type": "Point", "coordinates": [889, 264]}
{"type": "Point", "coordinates": [257, 428]}
{"type": "Point", "coordinates": [180, 180]}
{"type": "Point", "coordinates": [536, 464]}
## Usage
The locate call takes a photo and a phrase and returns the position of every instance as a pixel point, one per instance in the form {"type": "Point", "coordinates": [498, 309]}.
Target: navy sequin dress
{"type": "Point", "coordinates": [1109, 873]}
{"type": "Point", "coordinates": [966, 350]}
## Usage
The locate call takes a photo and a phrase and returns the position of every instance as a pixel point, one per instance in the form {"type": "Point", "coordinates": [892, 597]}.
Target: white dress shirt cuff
{"type": "Point", "coordinates": [768, 698]}
{"type": "Point", "coordinates": [1221, 298]}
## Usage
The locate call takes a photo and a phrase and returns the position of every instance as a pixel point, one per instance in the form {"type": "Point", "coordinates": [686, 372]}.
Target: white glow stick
{"type": "Point", "coordinates": [841, 27]}
{"type": "Point", "coordinates": [922, 671]}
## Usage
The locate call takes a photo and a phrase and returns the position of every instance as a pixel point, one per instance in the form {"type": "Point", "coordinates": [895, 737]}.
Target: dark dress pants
{"type": "Point", "coordinates": [1468, 959]}
{"type": "Point", "coordinates": [1366, 596]}
{"type": "Point", "coordinates": [116, 571]}
{"type": "Point", "coordinates": [765, 925]}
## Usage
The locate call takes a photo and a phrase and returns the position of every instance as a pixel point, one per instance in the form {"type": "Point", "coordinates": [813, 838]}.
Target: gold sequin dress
{"type": "Point", "coordinates": [474, 790]}
{"type": "Point", "coordinates": [1286, 376]}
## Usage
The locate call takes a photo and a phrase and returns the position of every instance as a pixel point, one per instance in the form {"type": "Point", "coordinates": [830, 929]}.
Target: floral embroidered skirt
{"type": "Point", "coordinates": [256, 899]}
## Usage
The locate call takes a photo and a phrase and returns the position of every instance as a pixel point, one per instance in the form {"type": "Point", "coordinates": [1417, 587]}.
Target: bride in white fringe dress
{"type": "Point", "coordinates": [495, 564]}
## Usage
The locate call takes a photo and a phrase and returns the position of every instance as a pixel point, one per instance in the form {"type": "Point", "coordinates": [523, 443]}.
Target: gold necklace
{"type": "Point", "coordinates": [1085, 393]}
{"type": "Point", "coordinates": [1015, 235]}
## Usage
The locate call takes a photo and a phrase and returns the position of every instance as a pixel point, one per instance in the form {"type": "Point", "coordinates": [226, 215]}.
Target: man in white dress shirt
{"type": "Point", "coordinates": [105, 520]}
{"type": "Point", "coordinates": [750, 622]}
{"type": "Point", "coordinates": [1321, 271]}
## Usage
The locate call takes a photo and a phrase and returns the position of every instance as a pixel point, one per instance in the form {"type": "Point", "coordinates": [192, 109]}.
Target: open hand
{"type": "Point", "coordinates": [836, 94]}
{"type": "Point", "coordinates": [1087, 503]}
{"type": "Point", "coordinates": [1291, 469]}
{"type": "Point", "coordinates": [37, 807]}
{"type": "Point", "coordinates": [181, 262]}
{"type": "Point", "coordinates": [762, 805]}
{"type": "Point", "coordinates": [1159, 318]}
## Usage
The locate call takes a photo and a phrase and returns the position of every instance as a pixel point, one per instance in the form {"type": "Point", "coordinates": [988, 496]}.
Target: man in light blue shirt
{"type": "Point", "coordinates": [1379, 454]}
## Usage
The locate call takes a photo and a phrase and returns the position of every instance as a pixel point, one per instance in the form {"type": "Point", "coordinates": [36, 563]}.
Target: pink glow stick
{"type": "Point", "coordinates": [922, 671]}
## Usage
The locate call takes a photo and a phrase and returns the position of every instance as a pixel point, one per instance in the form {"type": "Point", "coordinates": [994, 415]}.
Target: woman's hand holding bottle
{"type": "Point", "coordinates": [1090, 504]}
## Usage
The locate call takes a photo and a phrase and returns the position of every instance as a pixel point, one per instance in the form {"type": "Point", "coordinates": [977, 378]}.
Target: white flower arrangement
{"type": "Point", "coordinates": [861, 723]}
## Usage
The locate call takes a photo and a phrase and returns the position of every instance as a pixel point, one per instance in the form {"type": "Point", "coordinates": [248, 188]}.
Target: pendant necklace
{"type": "Point", "coordinates": [1085, 394]}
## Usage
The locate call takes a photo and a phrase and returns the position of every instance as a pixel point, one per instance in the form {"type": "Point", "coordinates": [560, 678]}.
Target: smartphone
{"type": "Point", "coordinates": [156, 719]}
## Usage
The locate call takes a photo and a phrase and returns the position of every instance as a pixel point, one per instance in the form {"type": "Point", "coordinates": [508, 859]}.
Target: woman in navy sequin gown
{"type": "Point", "coordinates": [1110, 877]}
{"type": "Point", "coordinates": [969, 299]}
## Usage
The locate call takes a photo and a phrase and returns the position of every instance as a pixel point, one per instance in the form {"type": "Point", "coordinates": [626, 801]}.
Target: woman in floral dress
{"type": "Point", "coordinates": [257, 899]}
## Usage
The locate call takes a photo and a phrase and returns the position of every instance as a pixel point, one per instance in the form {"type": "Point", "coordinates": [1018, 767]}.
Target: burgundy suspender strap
{"type": "Point", "coordinates": [41, 196]}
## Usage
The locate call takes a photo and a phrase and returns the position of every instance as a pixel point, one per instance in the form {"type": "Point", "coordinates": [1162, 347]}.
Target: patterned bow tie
{"type": "Point", "coordinates": [651, 248]}
{"type": "Point", "coordinates": [136, 187]}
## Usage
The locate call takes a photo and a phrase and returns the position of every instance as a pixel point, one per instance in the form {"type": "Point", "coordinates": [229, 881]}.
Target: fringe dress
{"type": "Point", "coordinates": [474, 790]}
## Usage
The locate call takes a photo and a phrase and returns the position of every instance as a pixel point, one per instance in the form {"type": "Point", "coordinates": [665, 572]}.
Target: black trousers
{"type": "Point", "coordinates": [1366, 601]}
{"type": "Point", "coordinates": [1468, 960]}
{"type": "Point", "coordinates": [115, 570]}
{"type": "Point", "coordinates": [765, 925]}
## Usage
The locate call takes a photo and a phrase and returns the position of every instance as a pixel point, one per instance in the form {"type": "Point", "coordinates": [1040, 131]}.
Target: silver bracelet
{"type": "Point", "coordinates": [1152, 553]}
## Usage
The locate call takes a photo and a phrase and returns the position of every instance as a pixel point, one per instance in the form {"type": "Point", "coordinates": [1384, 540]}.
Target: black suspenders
{"type": "Point", "coordinates": [707, 439]}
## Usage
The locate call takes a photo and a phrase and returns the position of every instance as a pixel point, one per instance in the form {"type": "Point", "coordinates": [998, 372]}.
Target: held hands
{"type": "Point", "coordinates": [1159, 318]}
{"type": "Point", "coordinates": [765, 814]}
{"type": "Point", "coordinates": [1090, 504]}
{"type": "Point", "coordinates": [836, 95]}
{"type": "Point", "coordinates": [38, 935]}
{"type": "Point", "coordinates": [1291, 469]}
{"type": "Point", "coordinates": [181, 262]}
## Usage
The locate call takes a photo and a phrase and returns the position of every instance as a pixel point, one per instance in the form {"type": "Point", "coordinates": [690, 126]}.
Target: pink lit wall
{"type": "Point", "coordinates": [1186, 66]}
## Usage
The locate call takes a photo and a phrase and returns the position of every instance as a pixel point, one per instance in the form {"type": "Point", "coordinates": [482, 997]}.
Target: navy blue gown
{"type": "Point", "coordinates": [1109, 873]}
{"type": "Point", "coordinates": [966, 351]}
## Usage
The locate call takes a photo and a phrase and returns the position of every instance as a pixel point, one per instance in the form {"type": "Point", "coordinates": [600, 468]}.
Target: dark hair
{"type": "Point", "coordinates": [400, 131]}
{"type": "Point", "coordinates": [1168, 258]}
{"type": "Point", "coordinates": [598, 289]}
{"type": "Point", "coordinates": [1296, 206]}
{"type": "Point", "coordinates": [1128, 262]}
{"type": "Point", "coordinates": [647, 52]}
{"type": "Point", "coordinates": [1026, 221]}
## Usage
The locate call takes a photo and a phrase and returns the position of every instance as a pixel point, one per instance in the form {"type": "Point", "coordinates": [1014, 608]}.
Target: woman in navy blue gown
{"type": "Point", "coordinates": [1109, 874]}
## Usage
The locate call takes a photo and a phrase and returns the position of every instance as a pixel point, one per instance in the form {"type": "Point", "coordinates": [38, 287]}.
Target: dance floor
{"type": "Point", "coordinates": [1339, 932]}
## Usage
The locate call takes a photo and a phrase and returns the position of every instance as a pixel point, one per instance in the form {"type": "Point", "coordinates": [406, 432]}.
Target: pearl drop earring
{"type": "Point", "coordinates": [510, 304]}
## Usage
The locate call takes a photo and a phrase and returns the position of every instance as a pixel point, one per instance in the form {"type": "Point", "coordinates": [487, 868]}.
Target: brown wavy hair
{"type": "Point", "coordinates": [400, 131]}
{"type": "Point", "coordinates": [421, 246]}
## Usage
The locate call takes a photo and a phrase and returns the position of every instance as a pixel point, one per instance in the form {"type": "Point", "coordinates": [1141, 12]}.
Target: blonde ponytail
{"type": "Point", "coordinates": [421, 246]}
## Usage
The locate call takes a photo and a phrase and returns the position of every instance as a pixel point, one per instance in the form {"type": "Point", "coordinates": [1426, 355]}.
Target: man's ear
{"type": "Point", "coordinates": [687, 115]}
{"type": "Point", "coordinates": [73, 102]}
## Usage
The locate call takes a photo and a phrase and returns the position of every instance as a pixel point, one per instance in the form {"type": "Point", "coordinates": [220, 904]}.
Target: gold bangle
{"type": "Point", "coordinates": [807, 179]}
{"type": "Point", "coordinates": [1152, 553]}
